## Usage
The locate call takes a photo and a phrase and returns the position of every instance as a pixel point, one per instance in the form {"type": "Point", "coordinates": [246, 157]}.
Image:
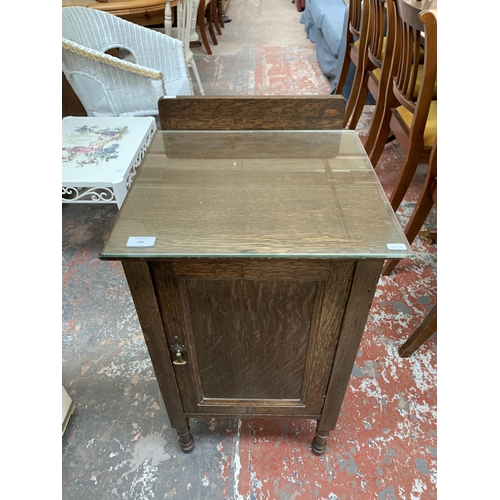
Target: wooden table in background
{"type": "Point", "coordinates": [417, 6]}
{"type": "Point", "coordinates": [142, 12]}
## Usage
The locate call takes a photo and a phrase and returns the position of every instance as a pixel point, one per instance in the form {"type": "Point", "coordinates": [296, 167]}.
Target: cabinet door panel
{"type": "Point", "coordinates": [251, 336]}
{"type": "Point", "coordinates": [257, 346]}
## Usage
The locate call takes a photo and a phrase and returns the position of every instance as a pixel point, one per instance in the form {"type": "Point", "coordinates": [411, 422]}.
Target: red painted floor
{"type": "Point", "coordinates": [119, 443]}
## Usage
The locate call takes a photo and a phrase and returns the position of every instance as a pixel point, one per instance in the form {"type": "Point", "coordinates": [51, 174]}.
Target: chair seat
{"type": "Point", "coordinates": [376, 73]}
{"type": "Point", "coordinates": [419, 82]}
{"type": "Point", "coordinates": [430, 127]}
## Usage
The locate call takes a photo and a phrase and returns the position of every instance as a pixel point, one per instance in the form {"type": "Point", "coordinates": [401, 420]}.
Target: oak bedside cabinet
{"type": "Point", "coordinates": [252, 259]}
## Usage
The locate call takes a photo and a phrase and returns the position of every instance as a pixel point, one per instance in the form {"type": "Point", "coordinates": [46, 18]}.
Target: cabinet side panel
{"type": "Point", "coordinates": [145, 301]}
{"type": "Point", "coordinates": [363, 288]}
{"type": "Point", "coordinates": [251, 336]}
{"type": "Point", "coordinates": [330, 305]}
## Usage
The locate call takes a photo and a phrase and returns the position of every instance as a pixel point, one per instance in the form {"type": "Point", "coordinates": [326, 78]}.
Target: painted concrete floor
{"type": "Point", "coordinates": [119, 444]}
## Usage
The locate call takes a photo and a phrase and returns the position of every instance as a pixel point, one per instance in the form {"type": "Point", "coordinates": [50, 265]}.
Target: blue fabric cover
{"type": "Point", "coordinates": [332, 10]}
{"type": "Point", "coordinates": [325, 22]}
{"type": "Point", "coordinates": [307, 20]}
{"type": "Point", "coordinates": [330, 29]}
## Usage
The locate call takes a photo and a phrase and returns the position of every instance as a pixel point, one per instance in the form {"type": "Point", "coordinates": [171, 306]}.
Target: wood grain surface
{"type": "Point", "coordinates": [146, 304]}
{"type": "Point", "coordinates": [260, 345]}
{"type": "Point", "coordinates": [252, 113]}
{"type": "Point", "coordinates": [262, 201]}
{"type": "Point", "coordinates": [364, 284]}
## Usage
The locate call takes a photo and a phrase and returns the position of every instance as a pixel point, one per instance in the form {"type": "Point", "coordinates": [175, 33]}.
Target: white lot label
{"type": "Point", "coordinates": [141, 241]}
{"type": "Point", "coordinates": [396, 246]}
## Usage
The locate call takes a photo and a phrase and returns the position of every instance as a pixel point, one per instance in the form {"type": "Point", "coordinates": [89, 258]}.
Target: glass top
{"type": "Point", "coordinates": [307, 194]}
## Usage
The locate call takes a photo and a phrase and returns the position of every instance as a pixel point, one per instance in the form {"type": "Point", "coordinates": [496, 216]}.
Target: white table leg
{"type": "Point", "coordinates": [168, 21]}
{"type": "Point", "coordinates": [194, 36]}
{"type": "Point", "coordinates": [120, 191]}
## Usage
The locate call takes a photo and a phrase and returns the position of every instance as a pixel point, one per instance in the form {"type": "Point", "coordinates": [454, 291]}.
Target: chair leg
{"type": "Point", "coordinates": [219, 13]}
{"type": "Point", "coordinates": [389, 266]}
{"type": "Point", "coordinates": [358, 105]}
{"type": "Point", "coordinates": [208, 16]}
{"type": "Point", "coordinates": [375, 125]}
{"type": "Point", "coordinates": [200, 21]}
{"type": "Point", "coordinates": [420, 213]}
{"type": "Point", "coordinates": [194, 69]}
{"type": "Point", "coordinates": [405, 177]}
{"type": "Point", "coordinates": [380, 139]}
{"type": "Point", "coordinates": [355, 90]}
{"type": "Point", "coordinates": [426, 200]}
{"type": "Point", "coordinates": [215, 16]}
{"type": "Point", "coordinates": [345, 64]}
{"type": "Point", "coordinates": [421, 334]}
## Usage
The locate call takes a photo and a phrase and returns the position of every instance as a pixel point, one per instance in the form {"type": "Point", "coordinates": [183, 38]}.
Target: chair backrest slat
{"type": "Point", "coordinates": [377, 32]}
{"type": "Point", "coordinates": [354, 17]}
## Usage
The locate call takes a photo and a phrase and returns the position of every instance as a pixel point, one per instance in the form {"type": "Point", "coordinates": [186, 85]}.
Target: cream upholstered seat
{"type": "Point", "coordinates": [109, 86]}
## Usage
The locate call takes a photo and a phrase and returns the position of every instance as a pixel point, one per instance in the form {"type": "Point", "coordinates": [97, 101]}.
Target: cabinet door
{"type": "Point", "coordinates": [259, 336]}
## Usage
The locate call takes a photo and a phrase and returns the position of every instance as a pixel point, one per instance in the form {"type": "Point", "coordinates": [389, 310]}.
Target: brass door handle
{"type": "Point", "coordinates": [179, 350]}
{"type": "Point", "coordinates": [179, 360]}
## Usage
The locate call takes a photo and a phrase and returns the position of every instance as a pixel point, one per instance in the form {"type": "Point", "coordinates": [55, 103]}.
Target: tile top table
{"type": "Point", "coordinates": [100, 156]}
{"type": "Point", "coordinates": [252, 258]}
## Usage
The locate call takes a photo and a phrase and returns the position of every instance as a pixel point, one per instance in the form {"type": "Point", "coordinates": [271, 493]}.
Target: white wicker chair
{"type": "Point", "coordinates": [108, 86]}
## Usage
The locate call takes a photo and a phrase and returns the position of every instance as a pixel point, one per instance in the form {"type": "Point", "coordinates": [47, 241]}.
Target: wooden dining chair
{"type": "Point", "coordinates": [252, 113]}
{"type": "Point", "coordinates": [356, 39]}
{"type": "Point", "coordinates": [427, 199]}
{"type": "Point", "coordinates": [412, 121]}
{"type": "Point", "coordinates": [379, 80]}
{"type": "Point", "coordinates": [372, 72]}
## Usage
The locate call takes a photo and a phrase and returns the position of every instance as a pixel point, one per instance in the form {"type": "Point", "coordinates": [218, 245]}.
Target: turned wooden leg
{"type": "Point", "coordinates": [318, 444]}
{"type": "Point", "coordinates": [186, 440]}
